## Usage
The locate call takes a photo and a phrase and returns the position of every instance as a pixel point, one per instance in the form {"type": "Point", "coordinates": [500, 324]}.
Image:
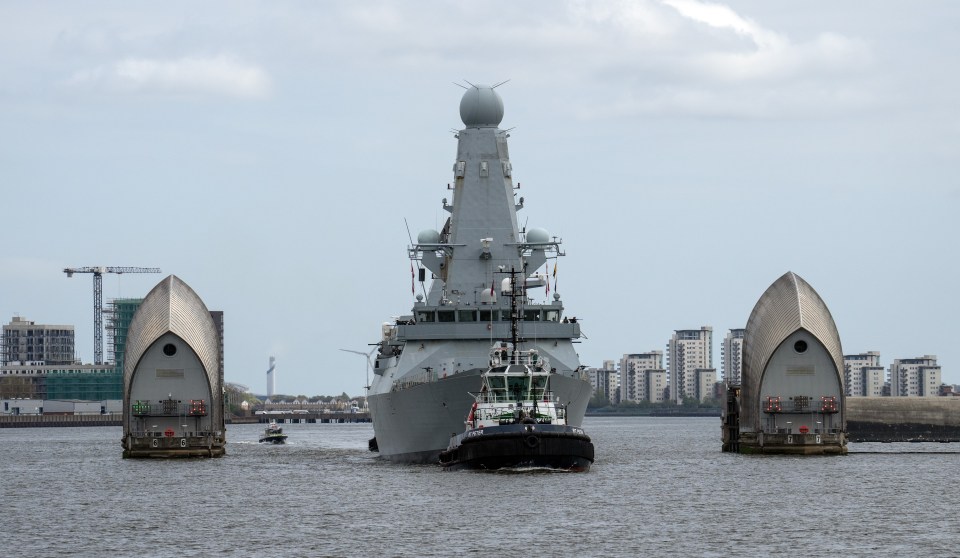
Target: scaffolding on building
{"type": "Point", "coordinates": [120, 312]}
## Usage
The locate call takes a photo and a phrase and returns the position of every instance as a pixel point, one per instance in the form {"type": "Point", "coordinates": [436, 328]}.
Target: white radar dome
{"type": "Point", "coordinates": [538, 236]}
{"type": "Point", "coordinates": [428, 236]}
{"type": "Point", "coordinates": [481, 106]}
{"type": "Point", "coordinates": [487, 297]}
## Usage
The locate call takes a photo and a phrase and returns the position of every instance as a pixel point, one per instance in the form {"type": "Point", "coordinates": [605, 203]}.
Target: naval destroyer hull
{"type": "Point", "coordinates": [414, 425]}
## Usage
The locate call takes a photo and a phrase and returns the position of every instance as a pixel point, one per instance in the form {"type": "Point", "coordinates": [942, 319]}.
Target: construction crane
{"type": "Point", "coordinates": [98, 299]}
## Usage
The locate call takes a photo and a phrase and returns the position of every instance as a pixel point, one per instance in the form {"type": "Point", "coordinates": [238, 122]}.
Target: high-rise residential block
{"type": "Point", "coordinates": [731, 356]}
{"type": "Point", "coordinates": [863, 376]}
{"type": "Point", "coordinates": [915, 377]}
{"type": "Point", "coordinates": [642, 377]}
{"type": "Point", "coordinates": [605, 381]}
{"type": "Point", "coordinates": [690, 363]}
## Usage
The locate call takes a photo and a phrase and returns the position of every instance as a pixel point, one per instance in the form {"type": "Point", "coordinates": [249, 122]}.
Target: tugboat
{"type": "Point", "coordinates": [273, 434]}
{"type": "Point", "coordinates": [515, 420]}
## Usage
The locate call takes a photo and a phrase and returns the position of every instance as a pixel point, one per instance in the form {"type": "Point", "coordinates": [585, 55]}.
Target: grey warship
{"type": "Point", "coordinates": [428, 362]}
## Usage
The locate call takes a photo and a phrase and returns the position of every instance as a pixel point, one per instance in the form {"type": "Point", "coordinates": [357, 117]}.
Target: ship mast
{"type": "Point", "coordinates": [516, 292]}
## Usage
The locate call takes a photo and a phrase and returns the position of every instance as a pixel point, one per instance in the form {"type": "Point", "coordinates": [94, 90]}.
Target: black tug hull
{"type": "Point", "coordinates": [521, 446]}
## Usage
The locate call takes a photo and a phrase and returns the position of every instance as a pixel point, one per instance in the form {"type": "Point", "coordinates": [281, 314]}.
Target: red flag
{"type": "Point", "coordinates": [413, 284]}
{"type": "Point", "coordinates": [554, 276]}
{"type": "Point", "coordinates": [491, 287]}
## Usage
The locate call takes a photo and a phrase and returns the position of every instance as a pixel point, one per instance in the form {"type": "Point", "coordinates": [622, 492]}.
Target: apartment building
{"type": "Point", "coordinates": [642, 377]}
{"type": "Point", "coordinates": [863, 376]}
{"type": "Point", "coordinates": [26, 342]}
{"type": "Point", "coordinates": [731, 356]}
{"type": "Point", "coordinates": [915, 377]}
{"type": "Point", "coordinates": [690, 364]}
{"type": "Point", "coordinates": [605, 380]}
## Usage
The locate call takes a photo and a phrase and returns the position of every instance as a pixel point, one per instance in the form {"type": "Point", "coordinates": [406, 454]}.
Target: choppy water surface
{"type": "Point", "coordinates": [660, 486]}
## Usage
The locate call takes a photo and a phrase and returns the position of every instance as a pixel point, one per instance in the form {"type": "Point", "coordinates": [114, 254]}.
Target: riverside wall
{"type": "Point", "coordinates": [27, 421]}
{"type": "Point", "coordinates": [903, 419]}
{"type": "Point", "coordinates": [115, 419]}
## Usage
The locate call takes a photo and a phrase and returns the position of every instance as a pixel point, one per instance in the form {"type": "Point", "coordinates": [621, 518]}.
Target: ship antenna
{"type": "Point", "coordinates": [499, 84]}
{"type": "Point", "coordinates": [406, 224]}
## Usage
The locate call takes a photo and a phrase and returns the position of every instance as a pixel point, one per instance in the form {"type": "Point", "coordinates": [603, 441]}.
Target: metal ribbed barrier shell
{"type": "Point", "coordinates": [788, 305]}
{"type": "Point", "coordinates": [172, 306]}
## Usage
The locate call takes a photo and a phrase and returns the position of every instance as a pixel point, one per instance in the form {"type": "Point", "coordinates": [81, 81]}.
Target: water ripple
{"type": "Point", "coordinates": [659, 486]}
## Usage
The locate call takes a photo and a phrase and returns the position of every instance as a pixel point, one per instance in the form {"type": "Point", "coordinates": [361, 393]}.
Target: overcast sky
{"type": "Point", "coordinates": [688, 153]}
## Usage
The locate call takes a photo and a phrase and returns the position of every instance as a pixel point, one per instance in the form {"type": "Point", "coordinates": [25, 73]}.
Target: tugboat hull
{"type": "Point", "coordinates": [521, 445]}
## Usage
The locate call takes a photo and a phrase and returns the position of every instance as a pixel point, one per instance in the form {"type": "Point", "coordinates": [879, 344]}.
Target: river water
{"type": "Point", "coordinates": [659, 486]}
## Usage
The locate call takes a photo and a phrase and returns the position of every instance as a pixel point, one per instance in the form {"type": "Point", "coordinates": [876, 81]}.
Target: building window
{"type": "Point", "coordinates": [800, 346]}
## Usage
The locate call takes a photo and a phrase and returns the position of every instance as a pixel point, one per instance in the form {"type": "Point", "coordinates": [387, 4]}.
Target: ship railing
{"type": "Point", "coordinates": [506, 416]}
{"type": "Point", "coordinates": [798, 430]}
{"type": "Point", "coordinates": [177, 434]}
{"type": "Point", "coordinates": [425, 377]}
{"type": "Point", "coordinates": [506, 397]}
{"type": "Point", "coordinates": [169, 408]}
{"type": "Point", "coordinates": [507, 409]}
{"type": "Point", "coordinates": [504, 355]}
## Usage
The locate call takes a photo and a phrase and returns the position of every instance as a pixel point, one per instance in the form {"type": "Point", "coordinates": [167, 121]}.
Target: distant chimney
{"type": "Point", "coordinates": [271, 378]}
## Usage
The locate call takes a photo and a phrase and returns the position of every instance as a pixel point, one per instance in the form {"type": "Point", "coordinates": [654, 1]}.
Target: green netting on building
{"type": "Point", "coordinates": [92, 385]}
{"type": "Point", "coordinates": [120, 318]}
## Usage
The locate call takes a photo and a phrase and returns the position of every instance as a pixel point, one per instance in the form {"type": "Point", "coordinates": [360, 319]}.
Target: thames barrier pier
{"type": "Point", "coordinates": [172, 379]}
{"type": "Point", "coordinates": [791, 398]}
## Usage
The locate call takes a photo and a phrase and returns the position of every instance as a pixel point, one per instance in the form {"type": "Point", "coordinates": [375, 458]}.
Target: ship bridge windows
{"type": "Point", "coordinates": [498, 387]}
{"type": "Point", "coordinates": [493, 315]}
{"type": "Point", "coordinates": [518, 386]}
{"type": "Point", "coordinates": [446, 316]}
{"type": "Point", "coordinates": [538, 386]}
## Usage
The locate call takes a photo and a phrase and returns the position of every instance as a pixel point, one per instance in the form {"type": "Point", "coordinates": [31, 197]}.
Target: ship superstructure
{"type": "Point", "coordinates": [430, 361]}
